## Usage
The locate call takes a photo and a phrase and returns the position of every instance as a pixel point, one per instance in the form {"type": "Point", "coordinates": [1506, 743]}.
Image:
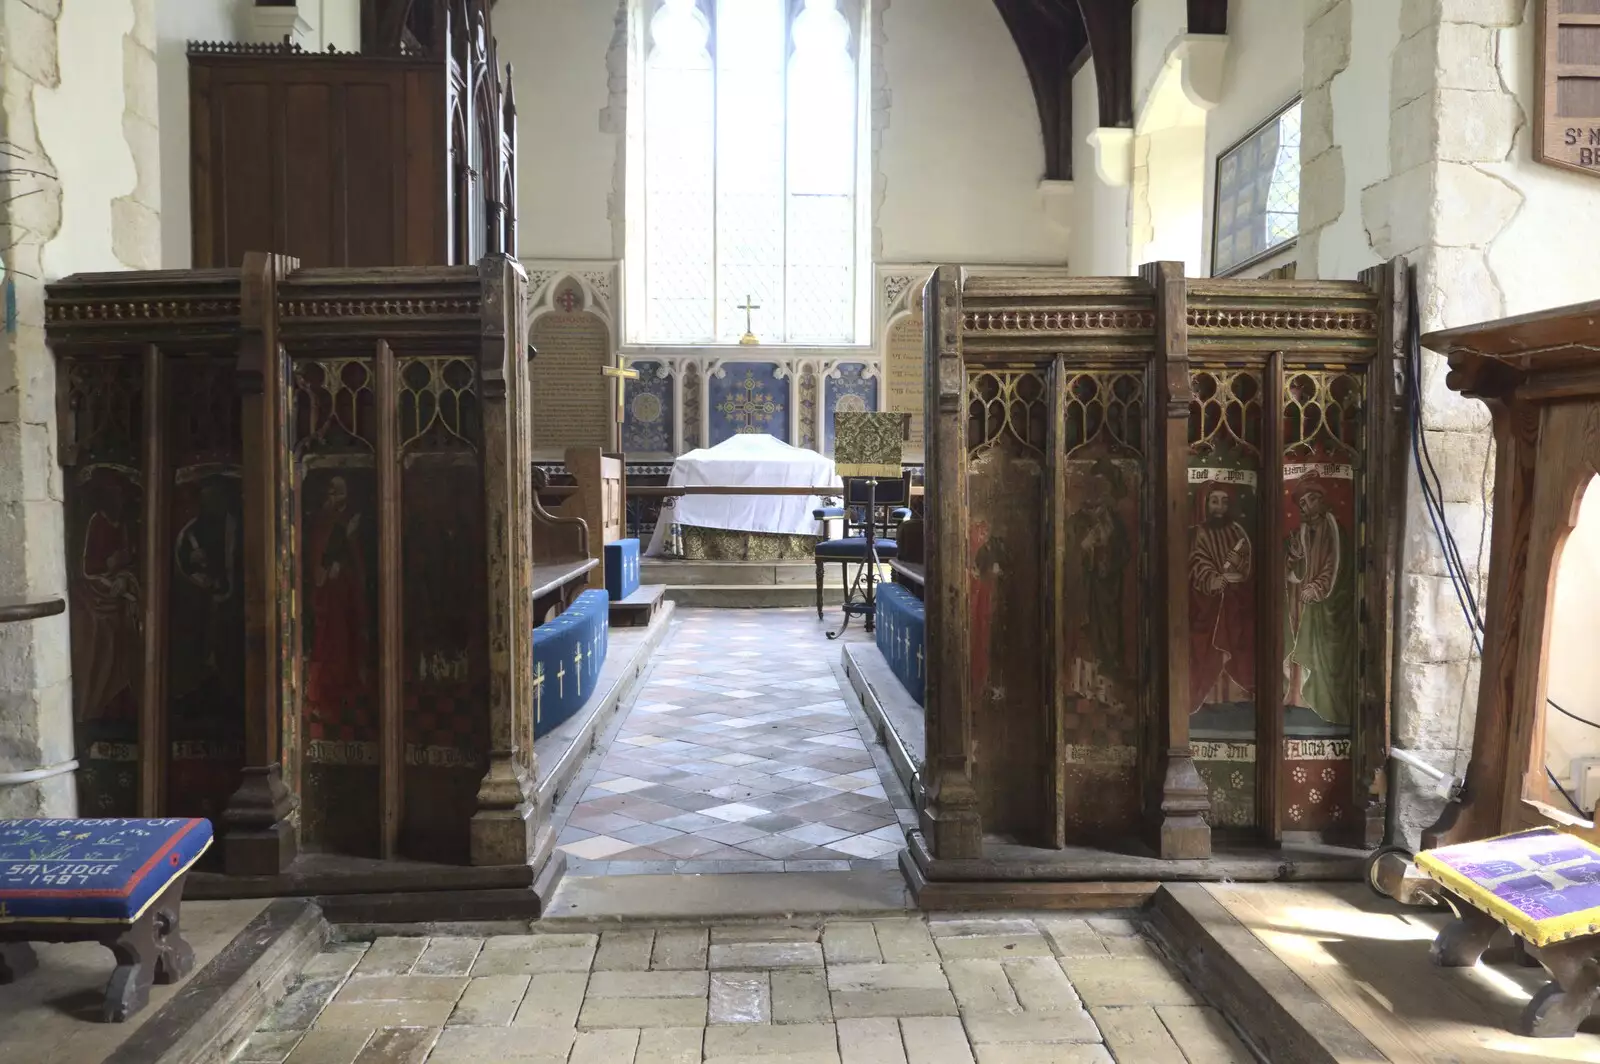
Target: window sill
{"type": "Point", "coordinates": [755, 352]}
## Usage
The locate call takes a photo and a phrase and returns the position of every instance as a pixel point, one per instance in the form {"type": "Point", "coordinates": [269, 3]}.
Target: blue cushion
{"type": "Point", "coordinates": [900, 628]}
{"type": "Point", "coordinates": [854, 548]}
{"type": "Point", "coordinates": [900, 513]}
{"type": "Point", "coordinates": [568, 651]}
{"type": "Point", "coordinates": [92, 870]}
{"type": "Point", "coordinates": [622, 568]}
{"type": "Point", "coordinates": [824, 513]}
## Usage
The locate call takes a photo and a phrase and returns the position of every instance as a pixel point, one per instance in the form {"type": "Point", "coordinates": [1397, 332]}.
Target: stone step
{"type": "Point", "coordinates": [752, 596]}
{"type": "Point", "coordinates": [683, 574]}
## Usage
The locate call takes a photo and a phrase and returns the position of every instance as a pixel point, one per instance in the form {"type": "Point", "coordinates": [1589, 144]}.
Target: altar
{"type": "Point", "coordinates": [756, 527]}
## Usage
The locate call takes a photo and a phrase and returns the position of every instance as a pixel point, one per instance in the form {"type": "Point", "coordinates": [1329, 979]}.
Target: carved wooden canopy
{"type": "Point", "coordinates": [1056, 37]}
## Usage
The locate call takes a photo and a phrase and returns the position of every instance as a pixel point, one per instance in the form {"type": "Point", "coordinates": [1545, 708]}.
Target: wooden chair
{"type": "Point", "coordinates": [887, 509]}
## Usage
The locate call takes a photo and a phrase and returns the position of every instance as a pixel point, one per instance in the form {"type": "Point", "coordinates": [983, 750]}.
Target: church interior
{"type": "Point", "coordinates": [799, 531]}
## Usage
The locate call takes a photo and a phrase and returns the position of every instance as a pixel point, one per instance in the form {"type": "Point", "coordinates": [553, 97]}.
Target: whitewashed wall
{"type": "Point", "coordinates": [962, 155]}
{"type": "Point", "coordinates": [177, 23]}
{"type": "Point", "coordinates": [566, 164]}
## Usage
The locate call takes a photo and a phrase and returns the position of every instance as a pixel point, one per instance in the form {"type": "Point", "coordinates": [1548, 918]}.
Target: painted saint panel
{"type": "Point", "coordinates": [335, 433]}
{"type": "Point", "coordinates": [749, 397]}
{"type": "Point", "coordinates": [1102, 640]}
{"type": "Point", "coordinates": [1007, 489]}
{"type": "Point", "coordinates": [443, 578]}
{"type": "Point", "coordinates": [847, 390]}
{"type": "Point", "coordinates": [105, 560]}
{"type": "Point", "coordinates": [205, 653]}
{"type": "Point", "coordinates": [1323, 412]}
{"type": "Point", "coordinates": [1225, 437]}
{"type": "Point", "coordinates": [647, 401]}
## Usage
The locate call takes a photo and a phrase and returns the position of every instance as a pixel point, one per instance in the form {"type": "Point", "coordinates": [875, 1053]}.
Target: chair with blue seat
{"type": "Point", "coordinates": [850, 547]}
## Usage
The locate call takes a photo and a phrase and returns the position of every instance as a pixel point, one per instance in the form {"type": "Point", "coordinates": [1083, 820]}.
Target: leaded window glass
{"type": "Point", "coordinates": [750, 179]}
{"type": "Point", "coordinates": [1258, 194]}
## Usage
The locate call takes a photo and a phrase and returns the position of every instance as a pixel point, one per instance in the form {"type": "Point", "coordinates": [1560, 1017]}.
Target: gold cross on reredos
{"type": "Point", "coordinates": [749, 332]}
{"type": "Point", "coordinates": [621, 374]}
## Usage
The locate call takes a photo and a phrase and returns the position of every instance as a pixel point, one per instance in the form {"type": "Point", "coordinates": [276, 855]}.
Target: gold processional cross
{"type": "Point", "coordinates": [622, 375]}
{"type": "Point", "coordinates": [749, 336]}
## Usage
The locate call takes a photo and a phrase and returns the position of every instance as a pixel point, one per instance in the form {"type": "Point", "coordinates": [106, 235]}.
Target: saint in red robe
{"type": "Point", "coordinates": [336, 674]}
{"type": "Point", "coordinates": [1222, 657]}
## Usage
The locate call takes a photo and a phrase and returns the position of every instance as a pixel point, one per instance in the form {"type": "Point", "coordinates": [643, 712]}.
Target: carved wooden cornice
{"type": "Point", "coordinates": [1046, 320]}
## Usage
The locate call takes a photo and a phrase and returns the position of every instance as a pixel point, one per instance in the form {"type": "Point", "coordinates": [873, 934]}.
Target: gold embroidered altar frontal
{"type": "Point", "coordinates": [698, 544]}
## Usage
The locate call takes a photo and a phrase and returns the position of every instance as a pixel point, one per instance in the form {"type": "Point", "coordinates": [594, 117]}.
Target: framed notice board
{"type": "Point", "coordinates": [1566, 132]}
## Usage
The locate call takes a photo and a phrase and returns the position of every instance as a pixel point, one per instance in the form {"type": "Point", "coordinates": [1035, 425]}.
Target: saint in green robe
{"type": "Point", "coordinates": [1321, 620]}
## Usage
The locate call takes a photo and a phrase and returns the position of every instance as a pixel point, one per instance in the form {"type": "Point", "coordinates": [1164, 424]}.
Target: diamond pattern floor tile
{"type": "Point", "coordinates": [739, 754]}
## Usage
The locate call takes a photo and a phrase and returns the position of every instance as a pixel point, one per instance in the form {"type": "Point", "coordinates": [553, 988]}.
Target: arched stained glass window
{"type": "Point", "coordinates": [750, 177]}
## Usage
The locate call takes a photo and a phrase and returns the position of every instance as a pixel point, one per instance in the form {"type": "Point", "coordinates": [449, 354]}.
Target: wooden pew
{"type": "Point", "coordinates": [600, 501]}
{"type": "Point", "coordinates": [562, 557]}
{"type": "Point", "coordinates": [908, 565]}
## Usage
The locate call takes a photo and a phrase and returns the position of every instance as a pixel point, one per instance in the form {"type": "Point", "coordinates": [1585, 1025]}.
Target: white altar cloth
{"type": "Point", "coordinates": [754, 460]}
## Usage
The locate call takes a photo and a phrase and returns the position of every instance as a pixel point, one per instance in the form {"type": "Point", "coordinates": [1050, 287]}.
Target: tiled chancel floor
{"type": "Point", "coordinates": [740, 754]}
{"type": "Point", "coordinates": [1004, 989]}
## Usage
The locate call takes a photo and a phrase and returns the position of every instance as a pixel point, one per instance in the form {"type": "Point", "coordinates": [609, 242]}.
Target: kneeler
{"type": "Point", "coordinates": [116, 882]}
{"type": "Point", "coordinates": [1544, 885]}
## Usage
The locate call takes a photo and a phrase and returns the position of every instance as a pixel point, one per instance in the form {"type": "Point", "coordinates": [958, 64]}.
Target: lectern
{"type": "Point", "coordinates": [1539, 375]}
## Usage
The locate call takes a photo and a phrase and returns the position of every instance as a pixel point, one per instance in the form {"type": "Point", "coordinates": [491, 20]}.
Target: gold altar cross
{"type": "Point", "coordinates": [621, 374]}
{"type": "Point", "coordinates": [749, 332]}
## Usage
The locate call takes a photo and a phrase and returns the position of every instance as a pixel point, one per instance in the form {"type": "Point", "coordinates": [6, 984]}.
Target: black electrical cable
{"type": "Point", "coordinates": [1433, 502]}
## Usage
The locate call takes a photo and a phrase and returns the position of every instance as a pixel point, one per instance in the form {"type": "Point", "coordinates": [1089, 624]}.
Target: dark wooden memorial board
{"type": "Point", "coordinates": [1566, 131]}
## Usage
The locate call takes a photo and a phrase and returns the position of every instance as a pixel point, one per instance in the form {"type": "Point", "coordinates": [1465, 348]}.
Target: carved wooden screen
{"type": "Point", "coordinates": [335, 447]}
{"type": "Point", "coordinates": [103, 453]}
{"type": "Point", "coordinates": [151, 446]}
{"type": "Point", "coordinates": [1170, 532]}
{"type": "Point", "coordinates": [442, 570]}
{"type": "Point", "coordinates": [300, 555]}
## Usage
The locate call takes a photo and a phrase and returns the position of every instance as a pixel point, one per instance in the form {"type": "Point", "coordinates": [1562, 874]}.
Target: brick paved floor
{"type": "Point", "coordinates": [1004, 989]}
{"type": "Point", "coordinates": [740, 754]}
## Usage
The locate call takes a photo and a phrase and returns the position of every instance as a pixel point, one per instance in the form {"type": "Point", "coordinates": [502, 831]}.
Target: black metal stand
{"type": "Point", "coordinates": [867, 575]}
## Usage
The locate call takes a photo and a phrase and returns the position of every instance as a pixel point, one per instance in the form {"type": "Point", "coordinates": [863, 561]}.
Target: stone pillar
{"type": "Point", "coordinates": [85, 196]}
{"type": "Point", "coordinates": [1417, 141]}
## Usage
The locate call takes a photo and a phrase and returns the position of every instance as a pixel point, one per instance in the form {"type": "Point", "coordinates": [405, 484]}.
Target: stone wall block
{"type": "Point", "coordinates": [1417, 15]}
{"type": "Point", "coordinates": [1321, 190]}
{"type": "Point", "coordinates": [1412, 134]}
{"type": "Point", "coordinates": [1327, 45]}
{"type": "Point", "coordinates": [1460, 289]}
{"type": "Point", "coordinates": [1395, 218]}
{"type": "Point", "coordinates": [54, 797]}
{"type": "Point", "coordinates": [1466, 57]}
{"type": "Point", "coordinates": [1316, 122]}
{"type": "Point", "coordinates": [135, 234]}
{"type": "Point", "coordinates": [1475, 127]}
{"type": "Point", "coordinates": [144, 24]}
{"type": "Point", "coordinates": [1496, 13]}
{"type": "Point", "coordinates": [1471, 208]}
{"type": "Point", "coordinates": [139, 80]}
{"type": "Point", "coordinates": [46, 559]}
{"type": "Point", "coordinates": [1422, 554]}
{"type": "Point", "coordinates": [28, 42]}
{"type": "Point", "coordinates": [33, 376]}
{"type": "Point", "coordinates": [144, 142]}
{"type": "Point", "coordinates": [1435, 630]}
{"type": "Point", "coordinates": [37, 444]}
{"type": "Point", "coordinates": [1461, 460]}
{"type": "Point", "coordinates": [1435, 704]}
{"type": "Point", "coordinates": [1413, 70]}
